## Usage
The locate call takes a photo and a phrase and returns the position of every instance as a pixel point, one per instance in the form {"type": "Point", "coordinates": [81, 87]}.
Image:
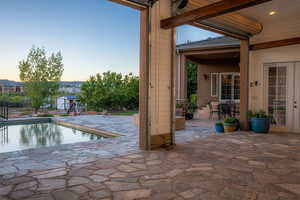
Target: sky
{"type": "Point", "coordinates": [93, 37]}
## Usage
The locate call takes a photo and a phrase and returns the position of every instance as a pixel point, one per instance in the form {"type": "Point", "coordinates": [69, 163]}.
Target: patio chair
{"type": "Point", "coordinates": [214, 107]}
{"type": "Point", "coordinates": [235, 109]}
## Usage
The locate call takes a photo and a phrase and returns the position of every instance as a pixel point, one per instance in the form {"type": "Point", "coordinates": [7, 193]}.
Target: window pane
{"type": "Point", "coordinates": [277, 94]}
{"type": "Point", "coordinates": [236, 87]}
{"type": "Point", "coordinates": [214, 84]}
{"type": "Point", "coordinates": [226, 86]}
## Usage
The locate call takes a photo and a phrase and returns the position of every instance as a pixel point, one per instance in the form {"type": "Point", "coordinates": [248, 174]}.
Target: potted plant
{"type": "Point", "coordinates": [260, 122]}
{"type": "Point", "coordinates": [250, 114]}
{"type": "Point", "coordinates": [219, 127]}
{"type": "Point", "coordinates": [191, 108]}
{"type": "Point", "coordinates": [231, 124]}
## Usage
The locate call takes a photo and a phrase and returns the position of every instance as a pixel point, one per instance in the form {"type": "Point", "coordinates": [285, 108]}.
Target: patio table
{"type": "Point", "coordinates": [228, 109]}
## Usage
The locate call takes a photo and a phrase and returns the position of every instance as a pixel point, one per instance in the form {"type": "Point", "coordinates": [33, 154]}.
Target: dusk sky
{"type": "Point", "coordinates": [93, 35]}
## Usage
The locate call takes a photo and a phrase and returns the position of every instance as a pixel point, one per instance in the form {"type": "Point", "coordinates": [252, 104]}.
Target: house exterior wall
{"type": "Point", "coordinates": [11, 89]}
{"type": "Point", "coordinates": [204, 86]}
{"type": "Point", "coordinates": [281, 29]}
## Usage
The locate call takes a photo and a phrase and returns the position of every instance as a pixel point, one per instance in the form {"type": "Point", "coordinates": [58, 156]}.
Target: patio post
{"type": "Point", "coordinates": [157, 93]}
{"type": "Point", "coordinates": [181, 77]}
{"type": "Point", "coordinates": [244, 83]}
{"type": "Point", "coordinates": [144, 80]}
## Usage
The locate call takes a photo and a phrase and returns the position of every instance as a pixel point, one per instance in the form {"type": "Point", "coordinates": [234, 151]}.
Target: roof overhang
{"type": "Point", "coordinates": [136, 4]}
{"type": "Point", "coordinates": [231, 24]}
{"type": "Point", "coordinates": [210, 50]}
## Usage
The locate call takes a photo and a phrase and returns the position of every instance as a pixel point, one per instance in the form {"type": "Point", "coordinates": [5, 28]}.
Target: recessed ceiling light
{"type": "Point", "coordinates": [272, 13]}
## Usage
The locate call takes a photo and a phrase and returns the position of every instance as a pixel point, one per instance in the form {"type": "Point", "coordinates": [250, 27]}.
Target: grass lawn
{"type": "Point", "coordinates": [125, 113]}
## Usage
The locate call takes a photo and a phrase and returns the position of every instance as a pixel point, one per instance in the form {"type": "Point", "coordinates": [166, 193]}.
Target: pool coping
{"type": "Point", "coordinates": [99, 132]}
{"type": "Point", "coordinates": [17, 121]}
{"type": "Point", "coordinates": [86, 129]}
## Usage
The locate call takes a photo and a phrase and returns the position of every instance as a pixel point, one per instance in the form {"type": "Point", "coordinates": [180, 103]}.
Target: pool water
{"type": "Point", "coordinates": [20, 137]}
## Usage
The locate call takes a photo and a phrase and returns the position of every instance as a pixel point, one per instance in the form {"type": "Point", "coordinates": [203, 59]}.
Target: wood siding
{"type": "Point", "coordinates": [277, 30]}
{"type": "Point", "coordinates": [160, 71]}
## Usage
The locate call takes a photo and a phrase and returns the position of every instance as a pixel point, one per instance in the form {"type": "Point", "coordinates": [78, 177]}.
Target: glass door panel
{"type": "Point", "coordinates": [236, 87]}
{"type": "Point", "coordinates": [296, 102]}
{"type": "Point", "coordinates": [277, 95]}
{"type": "Point", "coordinates": [226, 86]}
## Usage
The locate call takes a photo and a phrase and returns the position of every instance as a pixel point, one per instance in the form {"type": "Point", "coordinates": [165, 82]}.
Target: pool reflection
{"type": "Point", "coordinates": [41, 135]}
{"type": "Point", "coordinates": [25, 136]}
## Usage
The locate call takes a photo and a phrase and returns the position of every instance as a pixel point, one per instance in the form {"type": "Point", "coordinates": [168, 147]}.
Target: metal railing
{"type": "Point", "coordinates": [3, 111]}
{"type": "Point", "coordinates": [3, 134]}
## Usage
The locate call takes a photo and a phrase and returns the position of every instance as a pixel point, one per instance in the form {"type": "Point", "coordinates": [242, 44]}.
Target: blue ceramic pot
{"type": "Point", "coordinates": [260, 125]}
{"type": "Point", "coordinates": [219, 128]}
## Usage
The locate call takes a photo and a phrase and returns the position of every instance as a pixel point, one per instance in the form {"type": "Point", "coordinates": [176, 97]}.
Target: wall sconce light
{"type": "Point", "coordinates": [180, 4]}
{"type": "Point", "coordinates": [206, 76]}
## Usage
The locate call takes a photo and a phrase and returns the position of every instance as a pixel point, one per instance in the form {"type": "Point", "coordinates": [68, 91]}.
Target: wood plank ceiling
{"type": "Point", "coordinates": [231, 24]}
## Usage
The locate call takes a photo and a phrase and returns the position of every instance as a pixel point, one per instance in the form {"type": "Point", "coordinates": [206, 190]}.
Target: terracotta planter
{"type": "Point", "coordinates": [229, 127]}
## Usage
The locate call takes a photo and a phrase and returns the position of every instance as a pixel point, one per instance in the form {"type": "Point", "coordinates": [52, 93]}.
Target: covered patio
{"type": "Point", "coordinates": [263, 54]}
{"type": "Point", "coordinates": [218, 76]}
{"type": "Point", "coordinates": [197, 165]}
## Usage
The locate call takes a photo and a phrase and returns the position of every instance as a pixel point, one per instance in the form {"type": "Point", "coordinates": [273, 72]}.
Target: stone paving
{"type": "Point", "coordinates": [202, 166]}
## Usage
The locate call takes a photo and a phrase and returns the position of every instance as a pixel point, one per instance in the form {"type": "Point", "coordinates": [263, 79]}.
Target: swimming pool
{"type": "Point", "coordinates": [27, 136]}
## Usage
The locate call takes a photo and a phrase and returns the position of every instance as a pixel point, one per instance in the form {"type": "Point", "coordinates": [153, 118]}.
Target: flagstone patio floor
{"type": "Point", "coordinates": [202, 166]}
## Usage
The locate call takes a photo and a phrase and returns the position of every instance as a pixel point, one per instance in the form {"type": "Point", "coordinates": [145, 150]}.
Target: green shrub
{"type": "Point", "coordinates": [192, 107]}
{"type": "Point", "coordinates": [64, 115]}
{"type": "Point", "coordinates": [259, 114]}
{"type": "Point", "coordinates": [230, 120]}
{"type": "Point", "coordinates": [219, 124]}
{"type": "Point", "coordinates": [111, 91]}
{"type": "Point", "coordinates": [45, 115]}
{"type": "Point", "coordinates": [193, 98]}
{"type": "Point", "coordinates": [14, 100]}
{"type": "Point", "coordinates": [179, 105]}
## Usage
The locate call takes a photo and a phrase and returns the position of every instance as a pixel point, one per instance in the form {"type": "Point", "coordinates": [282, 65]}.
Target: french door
{"type": "Point", "coordinates": [229, 86]}
{"type": "Point", "coordinates": [283, 95]}
{"type": "Point", "coordinates": [296, 103]}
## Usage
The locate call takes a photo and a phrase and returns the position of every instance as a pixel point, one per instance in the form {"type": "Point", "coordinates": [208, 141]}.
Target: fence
{"type": "Point", "coordinates": [3, 111]}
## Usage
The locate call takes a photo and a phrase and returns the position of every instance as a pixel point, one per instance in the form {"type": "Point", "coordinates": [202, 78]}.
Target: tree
{"type": "Point", "coordinates": [110, 91]}
{"type": "Point", "coordinates": [192, 79]}
{"type": "Point", "coordinates": [41, 75]}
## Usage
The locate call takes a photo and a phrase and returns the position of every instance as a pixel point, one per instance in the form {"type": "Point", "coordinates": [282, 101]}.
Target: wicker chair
{"type": "Point", "coordinates": [214, 107]}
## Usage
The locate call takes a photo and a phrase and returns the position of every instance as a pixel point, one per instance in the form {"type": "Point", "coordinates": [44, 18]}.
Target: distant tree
{"type": "Point", "coordinates": [131, 91]}
{"type": "Point", "coordinates": [110, 91]}
{"type": "Point", "coordinates": [192, 79]}
{"type": "Point", "coordinates": [41, 75]}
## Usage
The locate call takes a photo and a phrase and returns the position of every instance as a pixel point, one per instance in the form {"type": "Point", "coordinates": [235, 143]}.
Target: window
{"type": "Point", "coordinates": [226, 86]}
{"type": "Point", "coordinates": [214, 84]}
{"type": "Point", "coordinates": [229, 86]}
{"type": "Point", "coordinates": [277, 94]}
{"type": "Point", "coordinates": [236, 86]}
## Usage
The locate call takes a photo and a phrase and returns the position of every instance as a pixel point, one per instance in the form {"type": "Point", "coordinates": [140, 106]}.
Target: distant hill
{"type": "Point", "coordinates": [62, 83]}
{"type": "Point", "coordinates": [6, 82]}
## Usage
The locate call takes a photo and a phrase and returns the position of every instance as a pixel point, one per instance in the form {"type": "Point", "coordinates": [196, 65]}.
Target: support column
{"type": "Point", "coordinates": [244, 84]}
{"type": "Point", "coordinates": [181, 77]}
{"type": "Point", "coordinates": [144, 140]}
{"type": "Point", "coordinates": [157, 120]}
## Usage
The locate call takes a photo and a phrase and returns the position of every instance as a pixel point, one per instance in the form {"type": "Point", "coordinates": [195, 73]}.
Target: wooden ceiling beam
{"type": "Point", "coordinates": [273, 44]}
{"type": "Point", "coordinates": [208, 11]}
{"type": "Point", "coordinates": [231, 22]}
{"type": "Point", "coordinates": [220, 31]}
